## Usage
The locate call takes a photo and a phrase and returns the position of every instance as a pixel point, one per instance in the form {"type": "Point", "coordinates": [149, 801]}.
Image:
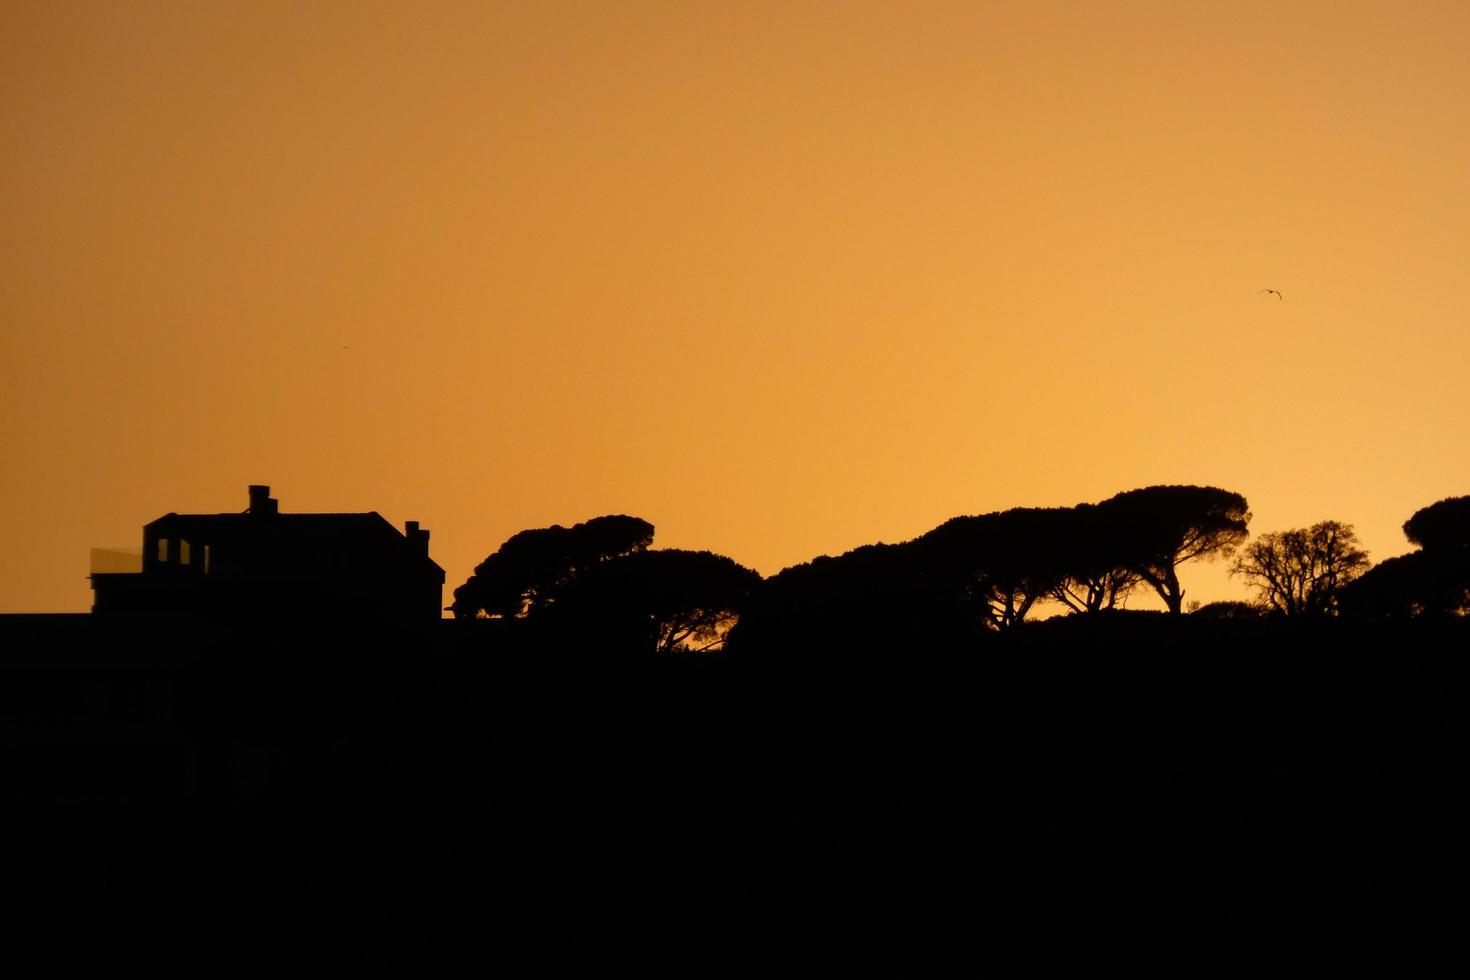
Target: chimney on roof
{"type": "Point", "coordinates": [262, 504]}
{"type": "Point", "coordinates": [418, 538]}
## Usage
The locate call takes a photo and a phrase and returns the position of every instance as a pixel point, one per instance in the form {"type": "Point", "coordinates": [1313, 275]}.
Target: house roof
{"type": "Point", "coordinates": [219, 528]}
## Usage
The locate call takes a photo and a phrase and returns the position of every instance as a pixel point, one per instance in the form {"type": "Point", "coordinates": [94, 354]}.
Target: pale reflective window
{"type": "Point", "coordinates": [163, 549]}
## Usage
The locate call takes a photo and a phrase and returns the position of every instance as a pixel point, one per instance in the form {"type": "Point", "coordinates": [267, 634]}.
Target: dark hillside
{"type": "Point", "coordinates": [1140, 794]}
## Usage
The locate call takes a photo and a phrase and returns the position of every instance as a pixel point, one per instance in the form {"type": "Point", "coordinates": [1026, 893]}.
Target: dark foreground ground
{"type": "Point", "coordinates": [1133, 797]}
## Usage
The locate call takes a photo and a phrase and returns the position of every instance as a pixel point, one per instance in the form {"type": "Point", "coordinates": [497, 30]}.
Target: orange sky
{"type": "Point", "coordinates": [781, 278]}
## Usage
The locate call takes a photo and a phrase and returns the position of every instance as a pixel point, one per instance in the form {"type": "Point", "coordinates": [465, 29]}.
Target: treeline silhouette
{"type": "Point", "coordinates": [963, 582]}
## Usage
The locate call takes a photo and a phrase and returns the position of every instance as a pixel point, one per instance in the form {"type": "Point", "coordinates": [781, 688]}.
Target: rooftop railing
{"type": "Point", "coordinates": [110, 561]}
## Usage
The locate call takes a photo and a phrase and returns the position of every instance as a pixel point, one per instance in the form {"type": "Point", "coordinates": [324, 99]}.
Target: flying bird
{"type": "Point", "coordinates": [1276, 291]}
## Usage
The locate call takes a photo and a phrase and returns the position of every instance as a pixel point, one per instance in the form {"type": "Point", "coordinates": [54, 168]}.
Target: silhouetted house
{"type": "Point", "coordinates": [263, 563]}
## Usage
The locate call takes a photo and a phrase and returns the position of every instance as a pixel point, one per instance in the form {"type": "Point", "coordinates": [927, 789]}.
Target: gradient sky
{"type": "Point", "coordinates": [782, 278]}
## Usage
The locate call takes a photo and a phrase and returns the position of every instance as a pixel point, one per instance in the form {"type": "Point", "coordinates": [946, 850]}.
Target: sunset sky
{"type": "Point", "coordinates": [781, 278]}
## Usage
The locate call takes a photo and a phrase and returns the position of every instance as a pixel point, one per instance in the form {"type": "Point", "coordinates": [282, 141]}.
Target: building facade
{"type": "Point", "coordinates": [263, 563]}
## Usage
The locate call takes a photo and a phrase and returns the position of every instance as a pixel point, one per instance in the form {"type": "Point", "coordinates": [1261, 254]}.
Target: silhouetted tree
{"type": "Point", "coordinates": [1092, 560]}
{"type": "Point", "coordinates": [1301, 571]}
{"type": "Point", "coordinates": [527, 572]}
{"type": "Point", "coordinates": [1421, 583]}
{"type": "Point", "coordinates": [1434, 581]}
{"type": "Point", "coordinates": [1166, 526]}
{"type": "Point", "coordinates": [679, 600]}
{"type": "Point", "coordinates": [878, 598]}
{"type": "Point", "coordinates": [1441, 525]}
{"type": "Point", "coordinates": [1002, 563]}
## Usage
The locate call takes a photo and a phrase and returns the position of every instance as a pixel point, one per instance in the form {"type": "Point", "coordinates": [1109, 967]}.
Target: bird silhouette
{"type": "Point", "coordinates": [1276, 291]}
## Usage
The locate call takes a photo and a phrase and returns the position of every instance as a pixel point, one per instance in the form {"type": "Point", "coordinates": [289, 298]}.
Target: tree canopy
{"type": "Point", "coordinates": [1166, 526]}
{"type": "Point", "coordinates": [1445, 524]}
{"type": "Point", "coordinates": [1301, 571]}
{"type": "Point", "coordinates": [1434, 581]}
{"type": "Point", "coordinates": [526, 573]}
{"type": "Point", "coordinates": [1421, 583]}
{"type": "Point", "coordinates": [872, 595]}
{"type": "Point", "coordinates": [1091, 557]}
{"type": "Point", "coordinates": [679, 600]}
{"type": "Point", "coordinates": [1003, 563]}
